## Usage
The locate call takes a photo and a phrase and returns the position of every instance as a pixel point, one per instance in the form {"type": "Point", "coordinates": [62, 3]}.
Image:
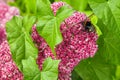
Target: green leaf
{"type": "Point", "coordinates": [79, 5]}
{"type": "Point", "coordinates": [115, 8]}
{"type": "Point", "coordinates": [30, 69]}
{"type": "Point", "coordinates": [94, 21]}
{"type": "Point", "coordinates": [108, 13]}
{"type": "Point", "coordinates": [118, 72]}
{"type": "Point", "coordinates": [49, 26]}
{"type": "Point", "coordinates": [95, 69]}
{"type": "Point", "coordinates": [19, 38]}
{"type": "Point", "coordinates": [50, 69]}
{"type": "Point", "coordinates": [43, 8]}
{"type": "Point", "coordinates": [75, 76]}
{"type": "Point", "coordinates": [25, 6]}
{"type": "Point", "coordinates": [32, 72]}
{"type": "Point", "coordinates": [28, 4]}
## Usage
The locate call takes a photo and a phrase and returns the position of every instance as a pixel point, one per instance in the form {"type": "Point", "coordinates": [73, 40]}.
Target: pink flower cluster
{"type": "Point", "coordinates": [56, 5]}
{"type": "Point", "coordinates": [6, 13]}
{"type": "Point", "coordinates": [77, 43]}
{"type": "Point", "coordinates": [2, 34]}
{"type": "Point", "coordinates": [8, 69]}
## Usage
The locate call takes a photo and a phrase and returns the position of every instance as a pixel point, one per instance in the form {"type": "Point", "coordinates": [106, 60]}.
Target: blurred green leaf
{"type": "Point", "coordinates": [30, 6]}
{"type": "Point", "coordinates": [50, 69]}
{"type": "Point", "coordinates": [27, 7]}
{"type": "Point", "coordinates": [88, 12]}
{"type": "Point", "coordinates": [21, 44]}
{"type": "Point", "coordinates": [95, 69]}
{"type": "Point", "coordinates": [30, 69]}
{"type": "Point", "coordinates": [118, 72]}
{"type": "Point", "coordinates": [115, 8]}
{"type": "Point", "coordinates": [51, 1]}
{"type": "Point", "coordinates": [32, 72]}
{"type": "Point", "coordinates": [79, 5]}
{"type": "Point", "coordinates": [94, 21]}
{"type": "Point", "coordinates": [109, 40]}
{"type": "Point", "coordinates": [43, 8]}
{"type": "Point", "coordinates": [75, 76]}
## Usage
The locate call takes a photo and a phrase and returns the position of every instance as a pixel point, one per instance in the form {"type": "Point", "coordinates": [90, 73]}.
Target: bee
{"type": "Point", "coordinates": [88, 26]}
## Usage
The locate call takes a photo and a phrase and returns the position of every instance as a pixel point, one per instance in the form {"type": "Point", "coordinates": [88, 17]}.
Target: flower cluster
{"type": "Point", "coordinates": [8, 69]}
{"type": "Point", "coordinates": [56, 5]}
{"type": "Point", "coordinates": [6, 13]}
{"type": "Point", "coordinates": [2, 34]}
{"type": "Point", "coordinates": [77, 43]}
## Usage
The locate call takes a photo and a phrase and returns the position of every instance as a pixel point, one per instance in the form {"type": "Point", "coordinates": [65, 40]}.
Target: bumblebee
{"type": "Point", "coordinates": [89, 26]}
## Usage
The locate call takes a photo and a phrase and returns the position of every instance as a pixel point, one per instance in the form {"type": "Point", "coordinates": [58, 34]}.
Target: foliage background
{"type": "Point", "coordinates": [105, 65]}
